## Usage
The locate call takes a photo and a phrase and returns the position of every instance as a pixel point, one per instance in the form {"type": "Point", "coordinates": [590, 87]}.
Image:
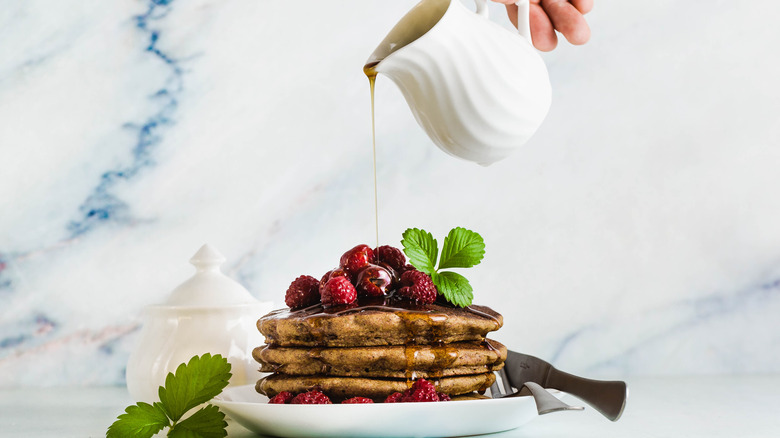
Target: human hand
{"type": "Point", "coordinates": [547, 16]}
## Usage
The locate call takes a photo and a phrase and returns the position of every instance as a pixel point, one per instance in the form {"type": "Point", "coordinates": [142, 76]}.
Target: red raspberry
{"type": "Point", "coordinates": [421, 391]}
{"type": "Point", "coordinates": [418, 286]}
{"type": "Point", "coordinates": [373, 281]}
{"type": "Point", "coordinates": [357, 258]}
{"type": "Point", "coordinates": [394, 398]}
{"type": "Point", "coordinates": [395, 277]}
{"type": "Point", "coordinates": [444, 397]}
{"type": "Point", "coordinates": [336, 272]}
{"type": "Point", "coordinates": [311, 398]}
{"type": "Point", "coordinates": [282, 398]}
{"type": "Point", "coordinates": [356, 400]}
{"type": "Point", "coordinates": [338, 290]}
{"type": "Point", "coordinates": [392, 256]}
{"type": "Point", "coordinates": [303, 292]}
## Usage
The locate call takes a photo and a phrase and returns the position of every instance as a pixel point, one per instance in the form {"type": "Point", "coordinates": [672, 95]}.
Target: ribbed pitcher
{"type": "Point", "coordinates": [478, 90]}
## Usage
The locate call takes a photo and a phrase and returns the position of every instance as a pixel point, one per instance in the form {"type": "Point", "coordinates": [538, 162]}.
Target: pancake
{"type": "Point", "coordinates": [470, 396]}
{"type": "Point", "coordinates": [378, 321]}
{"type": "Point", "coordinates": [313, 369]}
{"type": "Point", "coordinates": [412, 361]}
{"type": "Point", "coordinates": [340, 388]}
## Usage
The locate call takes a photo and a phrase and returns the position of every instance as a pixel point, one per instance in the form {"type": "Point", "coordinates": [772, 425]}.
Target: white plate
{"type": "Point", "coordinates": [444, 419]}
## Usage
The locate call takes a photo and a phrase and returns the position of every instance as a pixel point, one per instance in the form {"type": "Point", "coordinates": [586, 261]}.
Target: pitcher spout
{"type": "Point", "coordinates": [416, 23]}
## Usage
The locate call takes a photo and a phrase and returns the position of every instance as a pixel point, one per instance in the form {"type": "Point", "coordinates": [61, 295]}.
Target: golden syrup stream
{"type": "Point", "coordinates": [370, 71]}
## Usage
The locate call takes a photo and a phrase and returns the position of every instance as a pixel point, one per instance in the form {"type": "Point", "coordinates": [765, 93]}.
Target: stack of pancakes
{"type": "Point", "coordinates": [374, 349]}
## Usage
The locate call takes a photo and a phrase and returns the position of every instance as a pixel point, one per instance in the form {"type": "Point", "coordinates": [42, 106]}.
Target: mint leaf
{"type": "Point", "coordinates": [194, 383]}
{"type": "Point", "coordinates": [421, 248]}
{"type": "Point", "coordinates": [462, 249]}
{"type": "Point", "coordinates": [455, 288]}
{"type": "Point", "coordinates": [141, 420]}
{"type": "Point", "coordinates": [208, 422]}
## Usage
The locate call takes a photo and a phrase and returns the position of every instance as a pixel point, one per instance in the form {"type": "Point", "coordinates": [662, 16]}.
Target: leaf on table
{"type": "Point", "coordinates": [141, 420]}
{"type": "Point", "coordinates": [199, 381]}
{"type": "Point", "coordinates": [208, 422]}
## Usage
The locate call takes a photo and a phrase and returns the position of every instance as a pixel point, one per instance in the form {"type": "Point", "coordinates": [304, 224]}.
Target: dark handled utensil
{"type": "Point", "coordinates": [607, 397]}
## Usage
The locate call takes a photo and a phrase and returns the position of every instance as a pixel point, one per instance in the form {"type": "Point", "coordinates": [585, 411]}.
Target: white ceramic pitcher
{"type": "Point", "coordinates": [478, 90]}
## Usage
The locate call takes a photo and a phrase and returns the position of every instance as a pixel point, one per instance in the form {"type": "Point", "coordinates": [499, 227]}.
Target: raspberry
{"type": "Point", "coordinates": [394, 398]}
{"type": "Point", "coordinates": [373, 281]}
{"type": "Point", "coordinates": [338, 290]}
{"type": "Point", "coordinates": [336, 272]}
{"type": "Point", "coordinates": [421, 391]}
{"type": "Point", "coordinates": [395, 277]}
{"type": "Point", "coordinates": [303, 292]}
{"type": "Point", "coordinates": [356, 400]}
{"type": "Point", "coordinates": [357, 258]}
{"type": "Point", "coordinates": [418, 286]}
{"type": "Point", "coordinates": [392, 256]}
{"type": "Point", "coordinates": [311, 398]}
{"type": "Point", "coordinates": [282, 398]}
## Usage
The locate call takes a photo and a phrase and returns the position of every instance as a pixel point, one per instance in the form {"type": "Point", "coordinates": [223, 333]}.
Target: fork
{"type": "Point", "coordinates": [545, 402]}
{"type": "Point", "coordinates": [523, 371]}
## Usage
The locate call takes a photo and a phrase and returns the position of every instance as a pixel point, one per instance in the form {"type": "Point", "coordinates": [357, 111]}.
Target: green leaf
{"type": "Point", "coordinates": [462, 249]}
{"type": "Point", "coordinates": [455, 288]}
{"type": "Point", "coordinates": [208, 422]}
{"type": "Point", "coordinates": [194, 383]}
{"type": "Point", "coordinates": [141, 420]}
{"type": "Point", "coordinates": [421, 248]}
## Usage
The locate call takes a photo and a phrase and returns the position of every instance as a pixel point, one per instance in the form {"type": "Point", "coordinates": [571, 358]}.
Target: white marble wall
{"type": "Point", "coordinates": [637, 233]}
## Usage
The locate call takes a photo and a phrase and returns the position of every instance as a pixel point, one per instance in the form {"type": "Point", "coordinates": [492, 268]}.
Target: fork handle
{"type": "Point", "coordinates": [607, 397]}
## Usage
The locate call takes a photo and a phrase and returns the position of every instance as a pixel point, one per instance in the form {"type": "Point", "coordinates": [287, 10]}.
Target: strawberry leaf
{"type": "Point", "coordinates": [421, 248]}
{"type": "Point", "coordinates": [140, 420]}
{"type": "Point", "coordinates": [455, 288]}
{"type": "Point", "coordinates": [462, 249]}
{"type": "Point", "coordinates": [207, 422]}
{"type": "Point", "coordinates": [194, 383]}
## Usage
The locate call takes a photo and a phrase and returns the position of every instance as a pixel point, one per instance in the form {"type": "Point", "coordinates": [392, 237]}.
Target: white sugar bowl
{"type": "Point", "coordinates": [209, 313]}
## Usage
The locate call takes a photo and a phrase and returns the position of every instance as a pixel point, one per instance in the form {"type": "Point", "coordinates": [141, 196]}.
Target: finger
{"type": "Point", "coordinates": [584, 6]}
{"type": "Point", "coordinates": [506, 2]}
{"type": "Point", "coordinates": [511, 11]}
{"type": "Point", "coordinates": [567, 20]}
{"type": "Point", "coordinates": [542, 31]}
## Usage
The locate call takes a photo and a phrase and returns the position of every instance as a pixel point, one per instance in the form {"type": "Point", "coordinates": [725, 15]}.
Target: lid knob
{"type": "Point", "coordinates": [209, 287]}
{"type": "Point", "coordinates": [207, 259]}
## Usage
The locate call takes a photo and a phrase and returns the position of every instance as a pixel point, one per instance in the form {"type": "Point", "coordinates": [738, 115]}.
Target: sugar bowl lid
{"type": "Point", "coordinates": [209, 287]}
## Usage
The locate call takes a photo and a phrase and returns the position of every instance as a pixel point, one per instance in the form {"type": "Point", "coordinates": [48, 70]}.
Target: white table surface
{"type": "Point", "coordinates": [702, 406]}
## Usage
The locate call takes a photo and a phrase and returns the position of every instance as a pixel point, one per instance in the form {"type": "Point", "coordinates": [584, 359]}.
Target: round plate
{"type": "Point", "coordinates": [444, 419]}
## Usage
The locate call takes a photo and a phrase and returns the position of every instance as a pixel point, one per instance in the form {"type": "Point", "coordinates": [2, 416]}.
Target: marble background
{"type": "Point", "coordinates": [637, 233]}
